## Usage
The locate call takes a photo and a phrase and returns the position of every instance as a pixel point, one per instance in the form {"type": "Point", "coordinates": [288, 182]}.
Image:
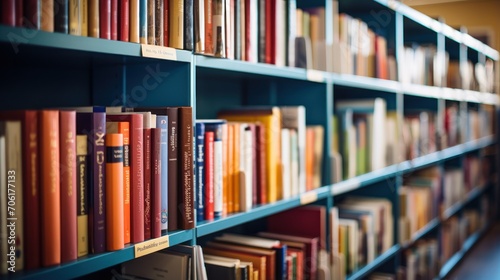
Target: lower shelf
{"type": "Point", "coordinates": [371, 267]}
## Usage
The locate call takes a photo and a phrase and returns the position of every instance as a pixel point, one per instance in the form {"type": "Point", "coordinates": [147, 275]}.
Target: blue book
{"type": "Point", "coordinates": [162, 123]}
{"type": "Point", "coordinates": [143, 21]}
{"type": "Point", "coordinates": [200, 171]}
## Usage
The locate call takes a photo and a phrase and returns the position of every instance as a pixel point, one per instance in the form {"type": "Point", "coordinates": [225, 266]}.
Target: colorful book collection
{"type": "Point", "coordinates": [96, 178]}
{"type": "Point", "coordinates": [251, 156]}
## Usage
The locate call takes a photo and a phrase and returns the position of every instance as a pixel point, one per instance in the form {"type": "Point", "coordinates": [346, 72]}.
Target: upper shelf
{"type": "Point", "coordinates": [13, 37]}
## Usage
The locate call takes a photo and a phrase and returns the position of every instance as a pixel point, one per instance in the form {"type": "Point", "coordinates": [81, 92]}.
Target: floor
{"type": "Point", "coordinates": [483, 261]}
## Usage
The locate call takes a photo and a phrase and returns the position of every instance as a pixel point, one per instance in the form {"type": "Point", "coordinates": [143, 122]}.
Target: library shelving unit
{"type": "Point", "coordinates": [52, 70]}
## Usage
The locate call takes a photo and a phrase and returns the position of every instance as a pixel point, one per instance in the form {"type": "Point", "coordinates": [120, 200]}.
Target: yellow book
{"type": "Point", "coordinates": [270, 117]}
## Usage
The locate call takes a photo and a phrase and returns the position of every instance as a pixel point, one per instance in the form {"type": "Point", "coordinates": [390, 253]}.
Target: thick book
{"type": "Point", "coordinates": [47, 15]}
{"type": "Point", "coordinates": [82, 166]}
{"type": "Point", "coordinates": [208, 196]}
{"type": "Point", "coordinates": [31, 186]}
{"type": "Point", "coordinates": [143, 21]}
{"type": "Point", "coordinates": [61, 16]}
{"type": "Point", "coordinates": [67, 142]}
{"type": "Point", "coordinates": [159, 34]}
{"type": "Point", "coordinates": [104, 19]}
{"type": "Point", "coordinates": [188, 25]}
{"type": "Point", "coordinates": [124, 129]}
{"type": "Point", "coordinates": [259, 261]}
{"type": "Point", "coordinates": [84, 14]}
{"type": "Point", "coordinates": [50, 187]}
{"type": "Point", "coordinates": [8, 12]}
{"type": "Point", "coordinates": [200, 170]}
{"type": "Point", "coordinates": [93, 18]}
{"type": "Point", "coordinates": [134, 10]}
{"type": "Point", "coordinates": [123, 20]}
{"type": "Point", "coordinates": [162, 124]}
{"type": "Point", "coordinates": [136, 170]}
{"type": "Point", "coordinates": [176, 24]}
{"type": "Point", "coordinates": [94, 126]}
{"type": "Point", "coordinates": [156, 177]}
{"type": "Point", "coordinates": [186, 191]}
{"type": "Point", "coordinates": [32, 14]}
{"type": "Point", "coordinates": [114, 192]}
{"type": "Point", "coordinates": [75, 20]}
{"type": "Point", "coordinates": [151, 22]}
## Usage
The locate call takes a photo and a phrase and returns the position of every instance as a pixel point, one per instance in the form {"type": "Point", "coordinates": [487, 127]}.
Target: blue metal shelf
{"type": "Point", "coordinates": [457, 207]}
{"type": "Point", "coordinates": [259, 69]}
{"type": "Point", "coordinates": [95, 262]}
{"type": "Point", "coordinates": [458, 256]}
{"type": "Point", "coordinates": [208, 227]}
{"type": "Point", "coordinates": [365, 82]}
{"type": "Point", "coordinates": [431, 226]}
{"type": "Point", "coordinates": [54, 40]}
{"type": "Point", "coordinates": [371, 267]}
{"type": "Point", "coordinates": [364, 180]}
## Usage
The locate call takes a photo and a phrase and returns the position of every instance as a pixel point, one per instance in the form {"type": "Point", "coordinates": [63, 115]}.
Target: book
{"type": "Point", "coordinates": [114, 20]}
{"type": "Point", "coordinates": [8, 15]}
{"type": "Point", "coordinates": [50, 187]}
{"type": "Point", "coordinates": [32, 14]}
{"type": "Point", "coordinates": [159, 33]}
{"type": "Point", "coordinates": [259, 261]}
{"type": "Point", "coordinates": [94, 126]}
{"type": "Point", "coordinates": [200, 171]}
{"type": "Point", "coordinates": [93, 18]}
{"type": "Point", "coordinates": [124, 129]}
{"type": "Point", "coordinates": [136, 170]}
{"type": "Point", "coordinates": [82, 164]}
{"type": "Point", "coordinates": [134, 11]}
{"type": "Point", "coordinates": [176, 24]}
{"type": "Point", "coordinates": [31, 186]}
{"type": "Point", "coordinates": [156, 181]}
{"type": "Point", "coordinates": [75, 20]}
{"type": "Point", "coordinates": [47, 15]}
{"type": "Point", "coordinates": [147, 124]}
{"type": "Point", "coordinates": [208, 196]}
{"type": "Point", "coordinates": [186, 196]}
{"type": "Point", "coordinates": [67, 134]}
{"type": "Point", "coordinates": [114, 192]}
{"type": "Point", "coordinates": [159, 265]}
{"type": "Point", "coordinates": [124, 20]}
{"type": "Point", "coordinates": [151, 13]}
{"type": "Point", "coordinates": [162, 123]}
{"type": "Point", "coordinates": [61, 16]}
{"type": "Point", "coordinates": [188, 24]}
{"type": "Point", "coordinates": [142, 15]}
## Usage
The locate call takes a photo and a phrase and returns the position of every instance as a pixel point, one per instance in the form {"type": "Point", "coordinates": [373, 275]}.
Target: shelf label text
{"type": "Point", "coordinates": [151, 246]}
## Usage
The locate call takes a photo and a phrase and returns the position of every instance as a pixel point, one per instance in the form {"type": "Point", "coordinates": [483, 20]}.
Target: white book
{"type": "Point", "coordinates": [285, 159]}
{"type": "Point", "coordinates": [294, 117]}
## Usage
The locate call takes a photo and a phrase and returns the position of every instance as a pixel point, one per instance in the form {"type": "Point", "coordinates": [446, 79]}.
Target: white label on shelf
{"type": "Point", "coordinates": [159, 52]}
{"type": "Point", "coordinates": [151, 246]}
{"type": "Point", "coordinates": [315, 76]}
{"type": "Point", "coordinates": [346, 186]}
{"type": "Point", "coordinates": [308, 197]}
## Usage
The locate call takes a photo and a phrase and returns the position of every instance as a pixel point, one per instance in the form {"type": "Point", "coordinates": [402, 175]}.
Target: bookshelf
{"type": "Point", "coordinates": [51, 70]}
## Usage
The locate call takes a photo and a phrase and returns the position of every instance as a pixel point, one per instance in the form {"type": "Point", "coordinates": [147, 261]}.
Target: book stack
{"type": "Point", "coordinates": [470, 76]}
{"type": "Point", "coordinates": [421, 261]}
{"type": "Point", "coordinates": [95, 175]}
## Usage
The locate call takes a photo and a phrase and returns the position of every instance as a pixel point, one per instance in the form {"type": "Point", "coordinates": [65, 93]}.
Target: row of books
{"type": "Point", "coordinates": [479, 76]}
{"type": "Point", "coordinates": [95, 180]}
{"type": "Point", "coordinates": [154, 22]}
{"type": "Point", "coordinates": [254, 155]}
{"type": "Point", "coordinates": [428, 194]}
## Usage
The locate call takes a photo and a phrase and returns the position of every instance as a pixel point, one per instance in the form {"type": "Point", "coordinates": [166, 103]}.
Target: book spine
{"type": "Point", "coordinates": [134, 24]}
{"type": "Point", "coordinates": [75, 23]}
{"type": "Point", "coordinates": [99, 180]}
{"type": "Point", "coordinates": [166, 23]}
{"type": "Point", "coordinates": [93, 18]}
{"type": "Point", "coordinates": [209, 43]}
{"type": "Point", "coordinates": [8, 15]}
{"type": "Point", "coordinates": [162, 123]}
{"type": "Point", "coordinates": [82, 163]}
{"type": "Point", "coordinates": [104, 19]}
{"type": "Point", "coordinates": [151, 22]}
{"type": "Point", "coordinates": [125, 131]}
{"type": "Point", "coordinates": [143, 21]}
{"type": "Point", "coordinates": [67, 126]}
{"type": "Point", "coordinates": [217, 171]}
{"type": "Point", "coordinates": [159, 23]}
{"type": "Point", "coordinates": [156, 182]}
{"type": "Point", "coordinates": [114, 20]}
{"type": "Point", "coordinates": [114, 192]}
{"type": "Point", "coordinates": [209, 175]}
{"type": "Point", "coordinates": [32, 14]}
{"type": "Point", "coordinates": [261, 164]}
{"type": "Point", "coordinates": [19, 12]}
{"type": "Point", "coordinates": [186, 167]}
{"type": "Point", "coordinates": [262, 31]}
{"type": "Point", "coordinates": [200, 172]}
{"type": "Point", "coordinates": [124, 20]}
{"type": "Point", "coordinates": [84, 15]}
{"type": "Point", "coordinates": [47, 16]}
{"type": "Point", "coordinates": [31, 189]}
{"type": "Point", "coordinates": [50, 187]}
{"type": "Point", "coordinates": [147, 182]}
{"type": "Point", "coordinates": [173, 154]}
{"type": "Point", "coordinates": [176, 25]}
{"type": "Point", "coordinates": [137, 186]}
{"type": "Point", "coordinates": [188, 25]}
{"type": "Point", "coordinates": [61, 16]}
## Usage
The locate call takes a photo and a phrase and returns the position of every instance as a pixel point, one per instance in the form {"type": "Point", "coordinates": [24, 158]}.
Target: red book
{"type": "Point", "coordinates": [114, 20]}
{"type": "Point", "coordinates": [186, 190]}
{"type": "Point", "coordinates": [209, 43]}
{"type": "Point", "coordinates": [270, 32]}
{"type": "Point", "coordinates": [67, 142]}
{"type": "Point", "coordinates": [123, 20]}
{"type": "Point", "coordinates": [50, 187]}
{"type": "Point", "coordinates": [114, 192]}
{"type": "Point", "coordinates": [19, 12]}
{"type": "Point", "coordinates": [31, 186]}
{"type": "Point", "coordinates": [147, 174]}
{"type": "Point", "coordinates": [8, 8]}
{"type": "Point", "coordinates": [105, 19]}
{"type": "Point", "coordinates": [209, 175]}
{"type": "Point", "coordinates": [136, 171]}
{"type": "Point", "coordinates": [155, 183]}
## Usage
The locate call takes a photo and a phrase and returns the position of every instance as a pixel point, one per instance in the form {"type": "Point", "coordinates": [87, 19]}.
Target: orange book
{"type": "Point", "coordinates": [124, 129]}
{"type": "Point", "coordinates": [236, 168]}
{"type": "Point", "coordinates": [93, 19]}
{"type": "Point", "coordinates": [309, 158]}
{"type": "Point", "coordinates": [114, 192]}
{"type": "Point", "coordinates": [50, 187]}
{"type": "Point", "coordinates": [47, 19]}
